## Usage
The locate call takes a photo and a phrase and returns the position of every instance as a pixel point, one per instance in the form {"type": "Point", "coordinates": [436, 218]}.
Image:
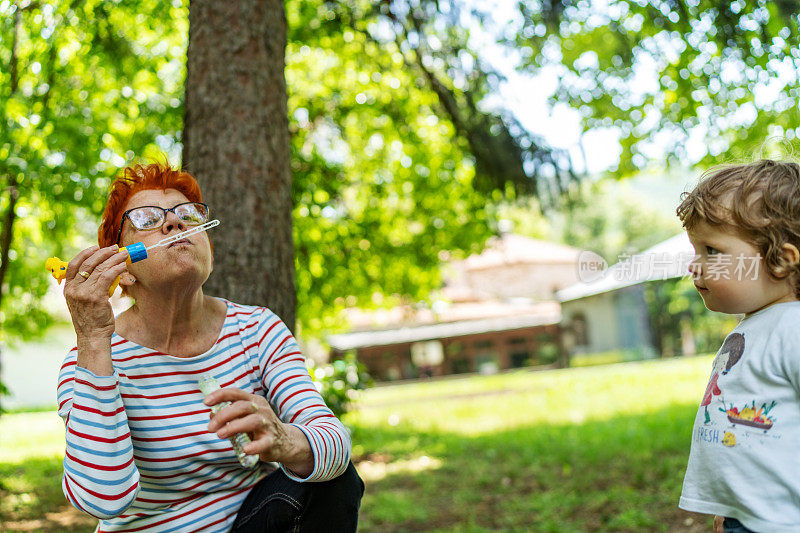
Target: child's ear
{"type": "Point", "coordinates": [790, 257]}
{"type": "Point", "coordinates": [790, 254]}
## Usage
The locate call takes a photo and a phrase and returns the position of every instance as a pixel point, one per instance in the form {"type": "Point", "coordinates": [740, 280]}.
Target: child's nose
{"type": "Point", "coordinates": [695, 270]}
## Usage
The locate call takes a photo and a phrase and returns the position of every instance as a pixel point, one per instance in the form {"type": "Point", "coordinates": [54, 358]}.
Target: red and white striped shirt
{"type": "Point", "coordinates": [139, 455]}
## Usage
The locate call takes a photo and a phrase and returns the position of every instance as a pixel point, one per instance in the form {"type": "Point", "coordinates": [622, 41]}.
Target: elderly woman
{"type": "Point", "coordinates": [141, 452]}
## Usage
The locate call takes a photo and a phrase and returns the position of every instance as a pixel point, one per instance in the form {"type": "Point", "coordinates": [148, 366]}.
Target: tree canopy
{"type": "Point", "coordinates": [85, 86]}
{"type": "Point", "coordinates": [397, 156]}
{"type": "Point", "coordinates": [682, 81]}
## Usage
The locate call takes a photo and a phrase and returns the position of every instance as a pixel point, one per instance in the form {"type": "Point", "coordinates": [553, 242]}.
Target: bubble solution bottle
{"type": "Point", "coordinates": [208, 384]}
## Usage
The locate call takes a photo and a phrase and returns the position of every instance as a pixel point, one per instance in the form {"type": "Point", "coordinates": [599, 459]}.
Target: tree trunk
{"type": "Point", "coordinates": [236, 142]}
{"type": "Point", "coordinates": [7, 234]}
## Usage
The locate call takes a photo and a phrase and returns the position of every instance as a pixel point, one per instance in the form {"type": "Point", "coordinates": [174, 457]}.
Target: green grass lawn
{"type": "Point", "coordinates": [31, 450]}
{"type": "Point", "coordinates": [588, 449]}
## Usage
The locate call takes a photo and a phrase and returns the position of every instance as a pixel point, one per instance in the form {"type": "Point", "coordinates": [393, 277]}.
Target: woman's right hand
{"type": "Point", "coordinates": [88, 279]}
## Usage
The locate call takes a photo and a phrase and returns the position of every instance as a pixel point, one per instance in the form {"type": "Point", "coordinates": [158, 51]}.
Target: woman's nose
{"type": "Point", "coordinates": [172, 221]}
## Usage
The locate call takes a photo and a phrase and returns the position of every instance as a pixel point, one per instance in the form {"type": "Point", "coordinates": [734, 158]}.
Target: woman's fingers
{"type": "Point", "coordinates": [229, 394]}
{"type": "Point", "coordinates": [93, 260]}
{"type": "Point", "coordinates": [73, 266]}
{"type": "Point", "coordinates": [250, 414]}
{"type": "Point", "coordinates": [95, 274]}
{"type": "Point", "coordinates": [110, 274]}
{"type": "Point", "coordinates": [98, 262]}
{"type": "Point", "coordinates": [251, 423]}
{"type": "Point", "coordinates": [89, 277]}
{"type": "Point", "coordinates": [236, 410]}
{"type": "Point", "coordinates": [260, 446]}
{"type": "Point", "coordinates": [104, 273]}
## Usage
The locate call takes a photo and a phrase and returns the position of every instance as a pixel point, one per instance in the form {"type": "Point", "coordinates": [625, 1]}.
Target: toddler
{"type": "Point", "coordinates": [744, 465]}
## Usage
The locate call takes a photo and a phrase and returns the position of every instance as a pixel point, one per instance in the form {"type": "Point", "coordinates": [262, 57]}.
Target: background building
{"type": "Point", "coordinates": [497, 310]}
{"type": "Point", "coordinates": [609, 312]}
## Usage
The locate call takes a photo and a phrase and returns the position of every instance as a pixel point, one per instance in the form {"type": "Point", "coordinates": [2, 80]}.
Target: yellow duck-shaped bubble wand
{"type": "Point", "coordinates": [136, 252]}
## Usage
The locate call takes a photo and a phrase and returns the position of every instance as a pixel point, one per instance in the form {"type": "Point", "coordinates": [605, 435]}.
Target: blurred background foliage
{"type": "Point", "coordinates": [695, 81]}
{"type": "Point", "coordinates": [84, 86]}
{"type": "Point", "coordinates": [340, 382]}
{"type": "Point", "coordinates": [401, 150]}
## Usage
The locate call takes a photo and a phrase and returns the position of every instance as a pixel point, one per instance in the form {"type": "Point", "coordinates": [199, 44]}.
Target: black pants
{"type": "Point", "coordinates": [278, 504]}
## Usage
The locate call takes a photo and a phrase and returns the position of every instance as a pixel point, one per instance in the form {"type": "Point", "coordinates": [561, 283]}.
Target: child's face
{"type": "Point", "coordinates": [729, 272]}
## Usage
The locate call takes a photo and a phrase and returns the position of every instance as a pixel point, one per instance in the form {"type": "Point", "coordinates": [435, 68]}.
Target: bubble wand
{"type": "Point", "coordinates": [136, 252]}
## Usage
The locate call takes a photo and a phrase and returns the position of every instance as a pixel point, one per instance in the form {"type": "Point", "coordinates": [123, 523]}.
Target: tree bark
{"type": "Point", "coordinates": [7, 234]}
{"type": "Point", "coordinates": [236, 142]}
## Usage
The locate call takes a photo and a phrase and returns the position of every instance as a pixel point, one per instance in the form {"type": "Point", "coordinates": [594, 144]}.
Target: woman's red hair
{"type": "Point", "coordinates": [139, 178]}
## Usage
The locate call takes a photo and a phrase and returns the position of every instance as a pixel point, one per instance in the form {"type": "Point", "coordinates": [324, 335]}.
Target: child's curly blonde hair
{"type": "Point", "coordinates": [760, 201]}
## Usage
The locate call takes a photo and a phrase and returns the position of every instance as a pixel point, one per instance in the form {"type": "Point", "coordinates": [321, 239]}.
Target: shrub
{"type": "Point", "coordinates": [339, 381]}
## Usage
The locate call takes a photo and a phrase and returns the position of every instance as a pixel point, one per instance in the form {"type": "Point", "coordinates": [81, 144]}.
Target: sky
{"type": "Point", "coordinates": [527, 97]}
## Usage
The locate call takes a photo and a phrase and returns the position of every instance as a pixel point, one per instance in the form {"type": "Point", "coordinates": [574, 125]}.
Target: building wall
{"type": "Point", "coordinates": [486, 352]}
{"type": "Point", "coordinates": [615, 320]}
{"type": "Point", "coordinates": [600, 318]}
{"type": "Point", "coordinates": [633, 320]}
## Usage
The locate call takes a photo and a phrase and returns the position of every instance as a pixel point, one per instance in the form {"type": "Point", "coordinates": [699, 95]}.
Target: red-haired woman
{"type": "Point", "coordinates": [141, 453]}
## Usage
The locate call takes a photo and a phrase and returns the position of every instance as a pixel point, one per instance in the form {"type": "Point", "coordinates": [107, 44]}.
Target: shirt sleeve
{"type": "Point", "coordinates": [100, 477]}
{"type": "Point", "coordinates": [783, 343]}
{"type": "Point", "coordinates": [292, 394]}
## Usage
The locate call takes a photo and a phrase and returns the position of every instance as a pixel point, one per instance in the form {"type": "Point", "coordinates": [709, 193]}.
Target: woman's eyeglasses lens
{"type": "Point", "coordinates": [147, 217]}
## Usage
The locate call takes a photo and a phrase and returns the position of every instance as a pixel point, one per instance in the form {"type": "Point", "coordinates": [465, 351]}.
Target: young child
{"type": "Point", "coordinates": [744, 465]}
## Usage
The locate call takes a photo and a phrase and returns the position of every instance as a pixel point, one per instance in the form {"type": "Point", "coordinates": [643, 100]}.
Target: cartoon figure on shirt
{"type": "Point", "coordinates": [728, 355]}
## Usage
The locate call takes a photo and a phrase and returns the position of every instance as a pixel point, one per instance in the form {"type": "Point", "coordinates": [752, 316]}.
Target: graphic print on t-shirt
{"type": "Point", "coordinates": [728, 355]}
{"type": "Point", "coordinates": [747, 418]}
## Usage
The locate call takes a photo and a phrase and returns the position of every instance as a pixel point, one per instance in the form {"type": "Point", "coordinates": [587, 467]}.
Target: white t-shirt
{"type": "Point", "coordinates": [745, 456]}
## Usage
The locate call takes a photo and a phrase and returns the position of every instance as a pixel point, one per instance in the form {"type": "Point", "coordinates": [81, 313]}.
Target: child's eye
{"type": "Point", "coordinates": [710, 250]}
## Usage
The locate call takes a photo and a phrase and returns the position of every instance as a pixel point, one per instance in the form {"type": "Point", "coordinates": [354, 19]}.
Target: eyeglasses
{"type": "Point", "coordinates": [150, 217]}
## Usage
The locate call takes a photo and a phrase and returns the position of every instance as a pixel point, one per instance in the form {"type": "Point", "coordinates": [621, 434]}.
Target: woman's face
{"type": "Point", "coordinates": [188, 261]}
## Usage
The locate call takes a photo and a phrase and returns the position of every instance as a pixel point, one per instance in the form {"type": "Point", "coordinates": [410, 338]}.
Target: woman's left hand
{"type": "Point", "coordinates": [271, 439]}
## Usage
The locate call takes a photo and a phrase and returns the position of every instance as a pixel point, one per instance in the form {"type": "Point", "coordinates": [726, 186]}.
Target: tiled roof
{"type": "Point", "coordinates": [350, 341]}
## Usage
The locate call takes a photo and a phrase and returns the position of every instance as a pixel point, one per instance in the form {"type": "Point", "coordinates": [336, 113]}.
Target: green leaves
{"type": "Point", "coordinates": [380, 186]}
{"type": "Point", "coordinates": [701, 82]}
{"type": "Point", "coordinates": [339, 382]}
{"type": "Point", "coordinates": [91, 86]}
{"type": "Point", "coordinates": [382, 182]}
